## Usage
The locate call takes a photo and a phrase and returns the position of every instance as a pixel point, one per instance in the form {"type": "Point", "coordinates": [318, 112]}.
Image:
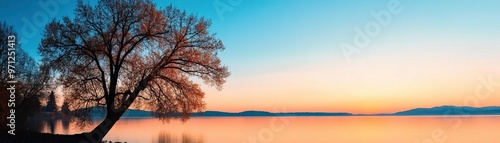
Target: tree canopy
{"type": "Point", "coordinates": [116, 53]}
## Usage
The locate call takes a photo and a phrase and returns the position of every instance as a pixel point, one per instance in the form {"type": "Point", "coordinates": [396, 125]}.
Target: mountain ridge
{"type": "Point", "coordinates": [452, 110]}
{"type": "Point", "coordinates": [437, 110]}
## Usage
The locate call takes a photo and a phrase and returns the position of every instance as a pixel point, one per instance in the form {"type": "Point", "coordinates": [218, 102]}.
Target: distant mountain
{"type": "Point", "coordinates": [264, 113]}
{"type": "Point", "coordinates": [452, 110]}
{"type": "Point", "coordinates": [440, 110]}
{"type": "Point", "coordinates": [99, 112]}
{"type": "Point", "coordinates": [218, 113]}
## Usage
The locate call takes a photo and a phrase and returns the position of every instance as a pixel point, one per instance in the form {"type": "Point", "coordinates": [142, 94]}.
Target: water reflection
{"type": "Point", "coordinates": [65, 123]}
{"type": "Point", "coordinates": [49, 124]}
{"type": "Point", "coordinates": [166, 137]}
{"type": "Point", "coordinates": [34, 124]}
{"type": "Point", "coordinates": [359, 129]}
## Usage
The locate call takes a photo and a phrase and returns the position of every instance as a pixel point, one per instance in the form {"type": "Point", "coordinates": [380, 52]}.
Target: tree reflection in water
{"type": "Point", "coordinates": [65, 123]}
{"type": "Point", "coordinates": [166, 137]}
{"type": "Point", "coordinates": [40, 123]}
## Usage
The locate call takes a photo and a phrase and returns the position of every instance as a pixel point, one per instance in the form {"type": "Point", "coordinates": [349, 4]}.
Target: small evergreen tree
{"type": "Point", "coordinates": [51, 104]}
{"type": "Point", "coordinates": [65, 108]}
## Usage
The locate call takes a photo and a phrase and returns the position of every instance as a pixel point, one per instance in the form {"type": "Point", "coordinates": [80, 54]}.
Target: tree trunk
{"type": "Point", "coordinates": [98, 133]}
{"type": "Point", "coordinates": [112, 116]}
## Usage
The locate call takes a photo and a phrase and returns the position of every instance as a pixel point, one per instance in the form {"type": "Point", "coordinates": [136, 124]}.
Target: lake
{"type": "Point", "coordinates": [337, 129]}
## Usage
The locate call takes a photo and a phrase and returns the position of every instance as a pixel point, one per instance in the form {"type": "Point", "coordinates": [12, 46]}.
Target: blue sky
{"type": "Point", "coordinates": [294, 44]}
{"type": "Point", "coordinates": [287, 29]}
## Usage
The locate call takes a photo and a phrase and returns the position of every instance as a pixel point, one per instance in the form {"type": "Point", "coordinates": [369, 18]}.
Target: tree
{"type": "Point", "coordinates": [31, 79]}
{"type": "Point", "coordinates": [65, 108]}
{"type": "Point", "coordinates": [5, 31]}
{"type": "Point", "coordinates": [121, 52]}
{"type": "Point", "coordinates": [51, 104]}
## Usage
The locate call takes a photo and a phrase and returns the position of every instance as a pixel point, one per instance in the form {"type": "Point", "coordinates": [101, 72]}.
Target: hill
{"type": "Point", "coordinates": [440, 110]}
{"type": "Point", "coordinates": [452, 110]}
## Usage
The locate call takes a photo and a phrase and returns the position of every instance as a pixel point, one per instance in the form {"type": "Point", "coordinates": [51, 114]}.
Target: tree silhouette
{"type": "Point", "coordinates": [65, 108]}
{"type": "Point", "coordinates": [31, 80]}
{"type": "Point", "coordinates": [51, 104]}
{"type": "Point", "coordinates": [117, 53]}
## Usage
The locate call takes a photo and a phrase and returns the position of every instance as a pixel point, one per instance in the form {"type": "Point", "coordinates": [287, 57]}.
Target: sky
{"type": "Point", "coordinates": [291, 56]}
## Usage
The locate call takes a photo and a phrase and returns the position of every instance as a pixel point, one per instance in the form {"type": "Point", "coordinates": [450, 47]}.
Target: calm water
{"type": "Point", "coordinates": [354, 129]}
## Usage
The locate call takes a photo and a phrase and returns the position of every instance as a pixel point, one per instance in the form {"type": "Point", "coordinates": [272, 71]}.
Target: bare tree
{"type": "Point", "coordinates": [5, 30]}
{"type": "Point", "coordinates": [31, 77]}
{"type": "Point", "coordinates": [120, 52]}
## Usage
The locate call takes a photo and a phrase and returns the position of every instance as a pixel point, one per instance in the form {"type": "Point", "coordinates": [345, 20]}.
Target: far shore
{"type": "Point", "coordinates": [434, 111]}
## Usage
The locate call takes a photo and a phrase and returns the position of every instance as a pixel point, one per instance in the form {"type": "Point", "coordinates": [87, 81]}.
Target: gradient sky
{"type": "Point", "coordinates": [286, 55]}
